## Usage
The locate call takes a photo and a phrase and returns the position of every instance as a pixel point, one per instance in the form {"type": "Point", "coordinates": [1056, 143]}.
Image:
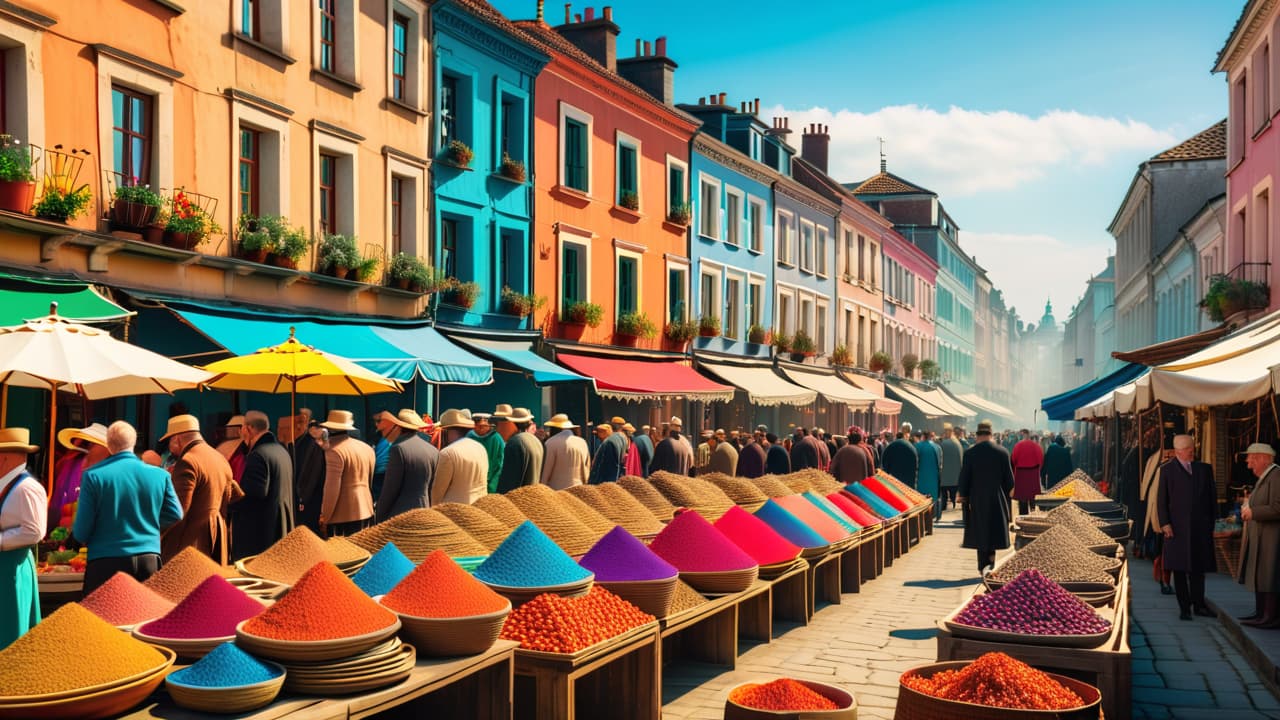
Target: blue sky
{"type": "Point", "coordinates": [1028, 118]}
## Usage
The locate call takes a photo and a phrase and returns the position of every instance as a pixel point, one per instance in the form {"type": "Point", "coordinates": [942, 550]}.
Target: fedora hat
{"type": "Point", "coordinates": [181, 424]}
{"type": "Point", "coordinates": [235, 421]}
{"type": "Point", "coordinates": [502, 412]}
{"type": "Point", "coordinates": [95, 433]}
{"type": "Point", "coordinates": [676, 422]}
{"type": "Point", "coordinates": [407, 419]}
{"type": "Point", "coordinates": [520, 415]}
{"type": "Point", "coordinates": [16, 439]}
{"type": "Point", "coordinates": [1258, 448]}
{"type": "Point", "coordinates": [339, 420]}
{"type": "Point", "coordinates": [452, 418]}
{"type": "Point", "coordinates": [617, 421]}
{"type": "Point", "coordinates": [628, 427]}
{"type": "Point", "coordinates": [560, 421]}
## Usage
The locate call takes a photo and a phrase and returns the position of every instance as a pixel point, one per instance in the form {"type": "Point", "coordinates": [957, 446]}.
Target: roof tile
{"type": "Point", "coordinates": [886, 183]}
{"type": "Point", "coordinates": [1209, 144]}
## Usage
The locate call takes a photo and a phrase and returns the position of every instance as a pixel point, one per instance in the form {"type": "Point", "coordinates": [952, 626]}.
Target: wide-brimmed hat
{"type": "Point", "coordinates": [339, 420]}
{"type": "Point", "coordinates": [676, 422]}
{"type": "Point", "coordinates": [181, 424]}
{"type": "Point", "coordinates": [628, 427]}
{"type": "Point", "coordinates": [617, 420]}
{"type": "Point", "coordinates": [235, 421]}
{"type": "Point", "coordinates": [95, 433]}
{"type": "Point", "coordinates": [520, 415]}
{"type": "Point", "coordinates": [452, 418]}
{"type": "Point", "coordinates": [17, 439]}
{"type": "Point", "coordinates": [559, 421]}
{"type": "Point", "coordinates": [480, 416]}
{"type": "Point", "coordinates": [605, 427]}
{"type": "Point", "coordinates": [407, 419]}
{"type": "Point", "coordinates": [1259, 448]}
{"type": "Point", "coordinates": [502, 412]}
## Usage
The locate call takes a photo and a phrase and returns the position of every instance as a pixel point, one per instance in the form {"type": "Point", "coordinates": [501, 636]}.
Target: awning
{"type": "Point", "coordinates": [830, 386]}
{"type": "Point", "coordinates": [1122, 400]}
{"type": "Point", "coordinates": [940, 396]}
{"type": "Point", "coordinates": [401, 351]}
{"type": "Point", "coordinates": [520, 355]}
{"type": "Point", "coordinates": [762, 385]}
{"type": "Point", "coordinates": [1063, 405]}
{"type": "Point", "coordinates": [639, 380]}
{"type": "Point", "coordinates": [23, 298]}
{"type": "Point", "coordinates": [875, 386]}
{"type": "Point", "coordinates": [981, 403]}
{"type": "Point", "coordinates": [1174, 349]}
{"type": "Point", "coordinates": [1236, 370]}
{"type": "Point", "coordinates": [910, 397]}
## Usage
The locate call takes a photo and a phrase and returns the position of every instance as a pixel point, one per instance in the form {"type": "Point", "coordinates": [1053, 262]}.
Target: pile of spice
{"type": "Point", "coordinates": [796, 484]}
{"type": "Point", "coordinates": [676, 489]}
{"type": "Point", "coordinates": [648, 495]}
{"type": "Point", "coordinates": [1082, 524]}
{"type": "Point", "coordinates": [1069, 513]}
{"type": "Point", "coordinates": [529, 559]}
{"type": "Point", "coordinates": [619, 506]}
{"type": "Point", "coordinates": [741, 491]}
{"type": "Point", "coordinates": [290, 556]}
{"type": "Point", "coordinates": [830, 509]}
{"type": "Point", "coordinates": [1033, 605]}
{"type": "Point", "coordinates": [178, 577]}
{"type": "Point", "coordinates": [541, 505]}
{"type": "Point", "coordinates": [819, 480]}
{"type": "Point", "coordinates": [885, 492]}
{"type": "Point", "coordinates": [551, 623]}
{"type": "Point", "coordinates": [843, 499]}
{"type": "Point", "coordinates": [692, 544]}
{"type": "Point", "coordinates": [501, 509]}
{"type": "Point", "coordinates": [781, 695]}
{"type": "Point", "coordinates": [440, 588]}
{"type": "Point", "coordinates": [122, 600]}
{"type": "Point", "coordinates": [212, 610]}
{"type": "Point", "coordinates": [386, 568]}
{"type": "Point", "coordinates": [343, 553]}
{"type": "Point", "coordinates": [418, 532]}
{"type": "Point", "coordinates": [712, 501]}
{"type": "Point", "coordinates": [69, 650]}
{"type": "Point", "coordinates": [815, 518]}
{"type": "Point", "coordinates": [913, 496]}
{"type": "Point", "coordinates": [756, 538]}
{"type": "Point", "coordinates": [997, 680]}
{"type": "Point", "coordinates": [1076, 476]}
{"type": "Point", "coordinates": [862, 504]}
{"type": "Point", "coordinates": [789, 526]}
{"type": "Point", "coordinates": [226, 666]}
{"type": "Point", "coordinates": [323, 605]}
{"type": "Point", "coordinates": [685, 598]}
{"type": "Point", "coordinates": [868, 496]}
{"type": "Point", "coordinates": [620, 557]}
{"type": "Point", "coordinates": [589, 516]}
{"type": "Point", "coordinates": [772, 485]}
{"type": "Point", "coordinates": [1058, 554]}
{"type": "Point", "coordinates": [485, 528]}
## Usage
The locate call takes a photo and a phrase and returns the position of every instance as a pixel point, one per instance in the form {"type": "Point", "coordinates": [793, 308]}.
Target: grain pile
{"type": "Point", "coordinates": [1076, 475]}
{"type": "Point", "coordinates": [1078, 490]}
{"type": "Point", "coordinates": [1070, 513]}
{"type": "Point", "coordinates": [178, 577]}
{"type": "Point", "coordinates": [684, 598]}
{"type": "Point", "coordinates": [589, 516]}
{"type": "Point", "coordinates": [740, 490]}
{"type": "Point", "coordinates": [541, 505]}
{"type": "Point", "coordinates": [818, 480]}
{"type": "Point", "coordinates": [648, 495]}
{"type": "Point", "coordinates": [623, 508]}
{"type": "Point", "coordinates": [417, 533]}
{"type": "Point", "coordinates": [482, 526]}
{"type": "Point", "coordinates": [122, 600]}
{"type": "Point", "coordinates": [1058, 554]}
{"type": "Point", "coordinates": [675, 488]}
{"type": "Point", "coordinates": [342, 552]}
{"type": "Point", "coordinates": [502, 509]}
{"type": "Point", "coordinates": [772, 485]}
{"type": "Point", "coordinates": [712, 501]}
{"type": "Point", "coordinates": [290, 556]}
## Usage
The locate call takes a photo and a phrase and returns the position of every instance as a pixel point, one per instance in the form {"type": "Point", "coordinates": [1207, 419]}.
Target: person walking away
{"type": "Point", "coordinates": [1057, 462]}
{"type": "Point", "coordinates": [777, 459]}
{"type": "Point", "coordinates": [644, 446]}
{"type": "Point", "coordinates": [308, 474]}
{"type": "Point", "coordinates": [462, 472]}
{"type": "Point", "coordinates": [673, 454]}
{"type": "Point", "coordinates": [702, 455]}
{"type": "Point", "coordinates": [631, 464]}
{"type": "Point", "coordinates": [804, 450]}
{"type": "Point", "coordinates": [1187, 503]}
{"type": "Point", "coordinates": [929, 473]}
{"type": "Point", "coordinates": [23, 517]}
{"type": "Point", "coordinates": [233, 447]}
{"type": "Point", "coordinates": [524, 455]}
{"type": "Point", "coordinates": [607, 465]}
{"type": "Point", "coordinates": [724, 456]}
{"type": "Point", "coordinates": [205, 488]}
{"type": "Point", "coordinates": [1028, 462]}
{"type": "Point", "coordinates": [346, 505]}
{"type": "Point", "coordinates": [411, 466]}
{"type": "Point", "coordinates": [986, 484]}
{"type": "Point", "coordinates": [1153, 536]}
{"type": "Point", "coordinates": [566, 458]}
{"type": "Point", "coordinates": [900, 458]}
{"type": "Point", "coordinates": [752, 457]}
{"type": "Point", "coordinates": [494, 445]}
{"type": "Point", "coordinates": [1260, 546]}
{"type": "Point", "coordinates": [265, 513]}
{"type": "Point", "coordinates": [851, 463]}
{"type": "Point", "coordinates": [952, 457]}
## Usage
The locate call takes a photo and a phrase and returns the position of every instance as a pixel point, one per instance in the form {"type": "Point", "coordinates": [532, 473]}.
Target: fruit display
{"type": "Point", "coordinates": [551, 623]}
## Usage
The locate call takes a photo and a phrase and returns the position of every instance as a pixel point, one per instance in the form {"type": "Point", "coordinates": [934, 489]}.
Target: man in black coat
{"type": "Point", "coordinates": [804, 450]}
{"type": "Point", "coordinates": [265, 513]}
{"type": "Point", "coordinates": [900, 459]}
{"type": "Point", "coordinates": [411, 465]}
{"type": "Point", "coordinates": [986, 484]}
{"type": "Point", "coordinates": [752, 459]}
{"type": "Point", "coordinates": [1187, 501]}
{"type": "Point", "coordinates": [777, 461]}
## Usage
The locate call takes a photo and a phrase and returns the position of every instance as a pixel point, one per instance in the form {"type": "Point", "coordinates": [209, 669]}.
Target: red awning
{"type": "Point", "coordinates": [646, 379]}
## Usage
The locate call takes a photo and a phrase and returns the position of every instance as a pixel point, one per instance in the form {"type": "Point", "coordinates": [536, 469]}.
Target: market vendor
{"type": "Point", "coordinates": [1259, 553]}
{"type": "Point", "coordinates": [23, 514]}
{"type": "Point", "coordinates": [85, 448]}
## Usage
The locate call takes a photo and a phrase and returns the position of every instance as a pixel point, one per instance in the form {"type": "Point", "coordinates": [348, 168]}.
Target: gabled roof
{"type": "Point", "coordinates": [1208, 144]}
{"type": "Point", "coordinates": [1238, 31]}
{"type": "Point", "coordinates": [488, 13]}
{"type": "Point", "coordinates": [886, 183]}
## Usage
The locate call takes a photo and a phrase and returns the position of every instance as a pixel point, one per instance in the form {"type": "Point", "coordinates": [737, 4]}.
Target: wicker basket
{"type": "Point", "coordinates": [1226, 548]}
{"type": "Point", "coordinates": [914, 705]}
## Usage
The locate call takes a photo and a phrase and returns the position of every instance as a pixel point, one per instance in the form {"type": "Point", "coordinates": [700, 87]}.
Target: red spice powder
{"type": "Point", "coordinates": [883, 492]}
{"type": "Point", "coordinates": [781, 694]}
{"type": "Point", "coordinates": [551, 623]}
{"type": "Point", "coordinates": [997, 680]}
{"type": "Point", "coordinates": [440, 588]}
{"type": "Point", "coordinates": [813, 516]}
{"type": "Point", "coordinates": [755, 537]}
{"type": "Point", "coordinates": [841, 500]}
{"type": "Point", "coordinates": [123, 600]}
{"type": "Point", "coordinates": [212, 610]}
{"type": "Point", "coordinates": [323, 605]}
{"type": "Point", "coordinates": [694, 545]}
{"type": "Point", "coordinates": [863, 504]}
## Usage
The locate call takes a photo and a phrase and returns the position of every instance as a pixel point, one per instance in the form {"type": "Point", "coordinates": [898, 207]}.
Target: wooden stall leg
{"type": "Point", "coordinates": [851, 569]}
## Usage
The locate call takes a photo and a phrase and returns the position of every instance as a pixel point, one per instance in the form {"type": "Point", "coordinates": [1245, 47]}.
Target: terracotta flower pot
{"type": "Point", "coordinates": [129, 215]}
{"type": "Point", "coordinates": [283, 261]}
{"type": "Point", "coordinates": [182, 241]}
{"type": "Point", "coordinates": [401, 283]}
{"type": "Point", "coordinates": [339, 271]}
{"type": "Point", "coordinates": [153, 234]}
{"type": "Point", "coordinates": [258, 255]}
{"type": "Point", "coordinates": [17, 195]}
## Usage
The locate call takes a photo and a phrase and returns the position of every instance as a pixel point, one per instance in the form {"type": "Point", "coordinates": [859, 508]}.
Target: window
{"type": "Point", "coordinates": [449, 246]}
{"type": "Point", "coordinates": [513, 272]}
{"type": "Point", "coordinates": [250, 162]}
{"type": "Point", "coordinates": [628, 284]}
{"type": "Point", "coordinates": [755, 301]}
{"type": "Point", "coordinates": [131, 133]}
{"type": "Point", "coordinates": [328, 35]}
{"type": "Point", "coordinates": [575, 149]}
{"type": "Point", "coordinates": [573, 271]}
{"type": "Point", "coordinates": [328, 194]}
{"type": "Point", "coordinates": [628, 180]}
{"type": "Point", "coordinates": [733, 217]}
{"type": "Point", "coordinates": [732, 308]}
{"type": "Point", "coordinates": [784, 236]}
{"type": "Point", "coordinates": [397, 213]}
{"type": "Point", "coordinates": [512, 126]}
{"type": "Point", "coordinates": [820, 252]}
{"type": "Point", "coordinates": [250, 25]}
{"type": "Point", "coordinates": [677, 192]}
{"type": "Point", "coordinates": [448, 109]}
{"type": "Point", "coordinates": [783, 313]}
{"type": "Point", "coordinates": [677, 293]}
{"type": "Point", "coordinates": [820, 328]}
{"type": "Point", "coordinates": [862, 257]}
{"type": "Point", "coordinates": [709, 209]}
{"type": "Point", "coordinates": [1261, 87]}
{"type": "Point", "coordinates": [756, 223]}
{"type": "Point", "coordinates": [805, 320]}
{"type": "Point", "coordinates": [709, 294]}
{"type": "Point", "coordinates": [399, 56]}
{"type": "Point", "coordinates": [806, 245]}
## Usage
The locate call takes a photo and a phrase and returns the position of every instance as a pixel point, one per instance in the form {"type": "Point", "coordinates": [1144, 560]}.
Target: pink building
{"type": "Point", "coordinates": [909, 279]}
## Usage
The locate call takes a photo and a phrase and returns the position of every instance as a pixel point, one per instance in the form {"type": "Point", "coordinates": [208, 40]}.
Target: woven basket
{"type": "Point", "coordinates": [847, 707]}
{"type": "Point", "coordinates": [450, 637]}
{"type": "Point", "coordinates": [235, 699]}
{"type": "Point", "coordinates": [1226, 548]}
{"type": "Point", "coordinates": [914, 705]}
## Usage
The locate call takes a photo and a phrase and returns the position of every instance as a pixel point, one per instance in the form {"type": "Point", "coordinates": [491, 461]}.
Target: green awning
{"type": "Point", "coordinates": [24, 298]}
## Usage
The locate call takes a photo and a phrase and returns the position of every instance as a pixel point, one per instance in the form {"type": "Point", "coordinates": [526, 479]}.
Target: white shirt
{"type": "Point", "coordinates": [23, 516]}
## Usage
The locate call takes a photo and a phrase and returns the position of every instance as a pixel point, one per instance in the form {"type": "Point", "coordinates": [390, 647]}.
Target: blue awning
{"type": "Point", "coordinates": [520, 355]}
{"type": "Point", "coordinates": [1063, 405]}
{"type": "Point", "coordinates": [401, 351]}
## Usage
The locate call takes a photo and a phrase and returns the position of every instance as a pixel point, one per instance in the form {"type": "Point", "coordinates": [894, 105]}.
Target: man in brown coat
{"type": "Point", "coordinates": [346, 506]}
{"type": "Point", "coordinates": [1259, 558]}
{"type": "Point", "coordinates": [203, 482]}
{"type": "Point", "coordinates": [724, 457]}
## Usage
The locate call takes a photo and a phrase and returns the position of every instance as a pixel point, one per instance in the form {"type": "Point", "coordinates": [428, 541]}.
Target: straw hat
{"type": "Point", "coordinates": [235, 421]}
{"type": "Point", "coordinates": [181, 424]}
{"type": "Point", "coordinates": [1258, 448]}
{"type": "Point", "coordinates": [628, 427]}
{"type": "Point", "coordinates": [502, 412]}
{"type": "Point", "coordinates": [559, 421]}
{"type": "Point", "coordinates": [340, 420]}
{"type": "Point", "coordinates": [95, 433]}
{"type": "Point", "coordinates": [480, 416]}
{"type": "Point", "coordinates": [676, 422]}
{"type": "Point", "coordinates": [407, 419]}
{"type": "Point", "coordinates": [16, 440]}
{"type": "Point", "coordinates": [617, 421]}
{"type": "Point", "coordinates": [452, 418]}
{"type": "Point", "coordinates": [520, 415]}
{"type": "Point", "coordinates": [606, 428]}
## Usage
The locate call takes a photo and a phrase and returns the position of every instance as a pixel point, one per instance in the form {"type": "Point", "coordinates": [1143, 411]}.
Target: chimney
{"type": "Point", "coordinates": [781, 128]}
{"type": "Point", "coordinates": [815, 145]}
{"type": "Point", "coordinates": [655, 73]}
{"type": "Point", "coordinates": [596, 36]}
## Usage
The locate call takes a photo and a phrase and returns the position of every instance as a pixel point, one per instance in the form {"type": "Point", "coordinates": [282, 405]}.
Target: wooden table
{"type": "Point", "coordinates": [788, 598]}
{"type": "Point", "coordinates": [851, 563]}
{"type": "Point", "coordinates": [872, 551]}
{"type": "Point", "coordinates": [709, 633]}
{"type": "Point", "coordinates": [620, 678]}
{"type": "Point", "coordinates": [824, 581]}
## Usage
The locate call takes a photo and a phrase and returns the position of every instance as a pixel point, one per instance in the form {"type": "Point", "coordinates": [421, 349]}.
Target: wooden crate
{"type": "Point", "coordinates": [709, 632]}
{"type": "Point", "coordinates": [789, 596]}
{"type": "Point", "coordinates": [824, 581]}
{"type": "Point", "coordinates": [620, 678]}
{"type": "Point", "coordinates": [872, 551]}
{"type": "Point", "coordinates": [851, 565]}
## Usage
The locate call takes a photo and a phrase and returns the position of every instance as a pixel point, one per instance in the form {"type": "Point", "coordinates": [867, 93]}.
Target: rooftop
{"type": "Point", "coordinates": [1209, 144]}
{"type": "Point", "coordinates": [886, 183]}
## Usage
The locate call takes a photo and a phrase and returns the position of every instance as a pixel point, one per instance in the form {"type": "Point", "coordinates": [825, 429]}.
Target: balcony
{"type": "Point", "coordinates": [1242, 289]}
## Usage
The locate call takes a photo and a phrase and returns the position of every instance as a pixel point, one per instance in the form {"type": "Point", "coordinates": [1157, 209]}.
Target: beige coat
{"type": "Point", "coordinates": [567, 461]}
{"type": "Point", "coordinates": [204, 486]}
{"type": "Point", "coordinates": [348, 472]}
{"type": "Point", "coordinates": [462, 473]}
{"type": "Point", "coordinates": [1150, 490]}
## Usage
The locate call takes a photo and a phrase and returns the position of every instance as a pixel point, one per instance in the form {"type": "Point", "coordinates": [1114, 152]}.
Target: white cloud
{"type": "Point", "coordinates": [1030, 268]}
{"type": "Point", "coordinates": [964, 152]}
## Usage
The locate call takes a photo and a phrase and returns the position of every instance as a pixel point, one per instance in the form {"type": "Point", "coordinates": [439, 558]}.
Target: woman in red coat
{"type": "Point", "coordinates": [1027, 457]}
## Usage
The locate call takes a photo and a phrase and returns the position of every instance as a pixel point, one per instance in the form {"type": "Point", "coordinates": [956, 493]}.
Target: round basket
{"type": "Point", "coordinates": [771, 571]}
{"type": "Point", "coordinates": [722, 583]}
{"type": "Point", "coordinates": [312, 650]}
{"type": "Point", "coordinates": [847, 707]}
{"type": "Point", "coordinates": [450, 637]}
{"type": "Point", "coordinates": [379, 653]}
{"type": "Point", "coordinates": [521, 595]}
{"type": "Point", "coordinates": [169, 658]}
{"type": "Point", "coordinates": [103, 703]}
{"type": "Point", "coordinates": [230, 699]}
{"type": "Point", "coordinates": [1107, 550]}
{"type": "Point", "coordinates": [193, 648]}
{"type": "Point", "coordinates": [344, 669]}
{"type": "Point", "coordinates": [651, 596]}
{"type": "Point", "coordinates": [915, 705]}
{"type": "Point", "coordinates": [814, 553]}
{"type": "Point", "coordinates": [354, 682]}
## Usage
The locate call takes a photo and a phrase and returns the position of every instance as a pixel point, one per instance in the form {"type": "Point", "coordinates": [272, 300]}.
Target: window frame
{"type": "Point", "coordinates": [587, 121]}
{"type": "Point", "coordinates": [327, 11]}
{"type": "Point", "coordinates": [783, 309]}
{"type": "Point", "coordinates": [782, 235]}
{"type": "Point", "coordinates": [111, 71]}
{"type": "Point", "coordinates": [619, 255]}
{"type": "Point", "coordinates": [821, 320]}
{"type": "Point", "coordinates": [674, 163]}
{"type": "Point", "coordinates": [806, 251]}
{"type": "Point", "coordinates": [345, 194]}
{"type": "Point", "coordinates": [757, 211]}
{"type": "Point", "coordinates": [273, 165]}
{"type": "Point", "coordinates": [715, 272]}
{"type": "Point", "coordinates": [756, 300]}
{"type": "Point", "coordinates": [395, 205]}
{"type": "Point", "coordinates": [705, 182]}
{"type": "Point", "coordinates": [147, 135]}
{"type": "Point", "coordinates": [734, 221]}
{"type": "Point", "coordinates": [582, 245]}
{"type": "Point", "coordinates": [399, 80]}
{"type": "Point", "coordinates": [621, 143]}
{"type": "Point", "coordinates": [680, 267]}
{"type": "Point", "coordinates": [448, 242]}
{"type": "Point", "coordinates": [821, 239]}
{"type": "Point", "coordinates": [732, 317]}
{"type": "Point", "coordinates": [253, 193]}
{"type": "Point", "coordinates": [328, 194]}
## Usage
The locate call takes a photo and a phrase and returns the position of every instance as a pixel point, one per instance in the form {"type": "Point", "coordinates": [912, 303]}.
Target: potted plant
{"type": "Point", "coordinates": [681, 331]}
{"type": "Point", "coordinates": [427, 280]}
{"type": "Point", "coordinates": [462, 294]}
{"type": "Point", "coordinates": [802, 346]}
{"type": "Point", "coordinates": [910, 362]}
{"type": "Point", "coordinates": [840, 355]}
{"type": "Point", "coordinates": [189, 223]}
{"type": "Point", "coordinates": [584, 313]}
{"type": "Point", "coordinates": [153, 232]}
{"type": "Point", "coordinates": [1227, 296]}
{"type": "Point", "coordinates": [880, 361]}
{"type": "Point", "coordinates": [929, 370]}
{"type": "Point", "coordinates": [635, 325]}
{"type": "Point", "coordinates": [459, 154]}
{"type": "Point", "coordinates": [680, 214]}
{"type": "Point", "coordinates": [366, 268]}
{"type": "Point", "coordinates": [708, 326]}
{"type": "Point", "coordinates": [519, 304]}
{"type": "Point", "coordinates": [512, 169]}
{"type": "Point", "coordinates": [336, 255]}
{"type": "Point", "coordinates": [17, 183]}
{"type": "Point", "coordinates": [404, 269]}
{"type": "Point", "coordinates": [780, 342]}
{"type": "Point", "coordinates": [629, 199]}
{"type": "Point", "coordinates": [289, 248]}
{"type": "Point", "coordinates": [258, 235]}
{"type": "Point", "coordinates": [60, 205]}
{"type": "Point", "coordinates": [757, 335]}
{"type": "Point", "coordinates": [134, 206]}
